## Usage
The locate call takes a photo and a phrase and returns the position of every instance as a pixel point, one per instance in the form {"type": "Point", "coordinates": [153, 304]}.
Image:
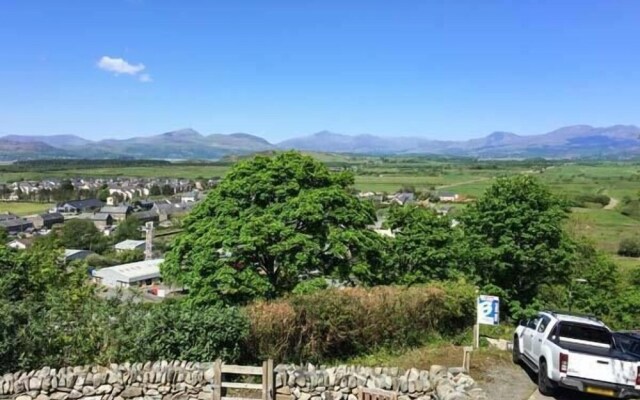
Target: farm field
{"type": "Point", "coordinates": [23, 208]}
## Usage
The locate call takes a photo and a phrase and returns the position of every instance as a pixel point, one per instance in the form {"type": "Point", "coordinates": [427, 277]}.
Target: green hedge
{"type": "Point", "coordinates": [335, 323]}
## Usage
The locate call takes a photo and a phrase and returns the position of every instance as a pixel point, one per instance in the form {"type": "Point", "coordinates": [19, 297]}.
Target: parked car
{"type": "Point", "coordinates": [576, 352]}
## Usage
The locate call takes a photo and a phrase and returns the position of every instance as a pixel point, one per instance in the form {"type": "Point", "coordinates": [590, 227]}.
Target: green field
{"type": "Point", "coordinates": [23, 208]}
{"type": "Point", "coordinates": [604, 227]}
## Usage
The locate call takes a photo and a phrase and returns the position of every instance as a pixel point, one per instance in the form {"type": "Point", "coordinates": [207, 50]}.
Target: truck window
{"type": "Point", "coordinates": [533, 323]}
{"type": "Point", "coordinates": [586, 333]}
{"type": "Point", "coordinates": [544, 323]}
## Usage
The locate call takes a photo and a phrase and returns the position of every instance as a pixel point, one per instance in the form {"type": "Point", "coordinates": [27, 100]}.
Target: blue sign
{"type": "Point", "coordinates": [488, 310]}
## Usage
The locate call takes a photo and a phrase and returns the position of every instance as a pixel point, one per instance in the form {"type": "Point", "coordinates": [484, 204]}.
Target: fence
{"type": "Point", "coordinates": [266, 386]}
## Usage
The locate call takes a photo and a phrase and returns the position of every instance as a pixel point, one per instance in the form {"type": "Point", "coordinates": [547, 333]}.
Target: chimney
{"type": "Point", "coordinates": [148, 247]}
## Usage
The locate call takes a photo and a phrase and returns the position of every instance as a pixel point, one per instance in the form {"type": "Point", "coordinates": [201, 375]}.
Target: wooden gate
{"type": "Point", "coordinates": [376, 394]}
{"type": "Point", "coordinates": [220, 386]}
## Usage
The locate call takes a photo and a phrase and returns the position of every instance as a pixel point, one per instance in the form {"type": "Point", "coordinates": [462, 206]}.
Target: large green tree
{"type": "Point", "coordinates": [271, 222]}
{"type": "Point", "coordinates": [515, 230]}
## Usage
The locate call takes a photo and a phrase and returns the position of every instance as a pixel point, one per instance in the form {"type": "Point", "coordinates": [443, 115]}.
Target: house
{"type": "Point", "coordinates": [128, 245]}
{"type": "Point", "coordinates": [21, 244]}
{"type": "Point", "coordinates": [146, 216]}
{"type": "Point", "coordinates": [7, 215]}
{"type": "Point", "coordinates": [102, 220]}
{"type": "Point", "coordinates": [118, 213]}
{"type": "Point", "coordinates": [448, 196]}
{"type": "Point", "coordinates": [403, 198]}
{"type": "Point", "coordinates": [75, 255]}
{"type": "Point", "coordinates": [46, 220]}
{"type": "Point", "coordinates": [16, 225]}
{"type": "Point", "coordinates": [77, 206]}
{"type": "Point", "coordinates": [190, 197]}
{"type": "Point", "coordinates": [142, 273]}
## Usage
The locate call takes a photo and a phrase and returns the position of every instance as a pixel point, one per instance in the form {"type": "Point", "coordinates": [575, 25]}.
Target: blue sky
{"type": "Point", "coordinates": [438, 69]}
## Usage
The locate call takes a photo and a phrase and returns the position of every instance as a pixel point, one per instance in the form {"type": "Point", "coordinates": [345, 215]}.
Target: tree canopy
{"type": "Point", "coordinates": [426, 246]}
{"type": "Point", "coordinates": [128, 229]}
{"type": "Point", "coordinates": [82, 234]}
{"type": "Point", "coordinates": [516, 237]}
{"type": "Point", "coordinates": [271, 222]}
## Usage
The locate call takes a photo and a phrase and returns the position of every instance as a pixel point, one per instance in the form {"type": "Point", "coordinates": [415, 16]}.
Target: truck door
{"type": "Point", "coordinates": [527, 338]}
{"type": "Point", "coordinates": [539, 336]}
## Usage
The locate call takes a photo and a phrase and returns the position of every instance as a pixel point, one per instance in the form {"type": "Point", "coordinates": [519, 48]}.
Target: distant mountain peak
{"type": "Point", "coordinates": [325, 133]}
{"type": "Point", "coordinates": [248, 136]}
{"type": "Point", "coordinates": [182, 133]}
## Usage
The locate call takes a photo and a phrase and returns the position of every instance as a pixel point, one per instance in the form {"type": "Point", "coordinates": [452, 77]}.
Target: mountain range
{"type": "Point", "coordinates": [567, 142]}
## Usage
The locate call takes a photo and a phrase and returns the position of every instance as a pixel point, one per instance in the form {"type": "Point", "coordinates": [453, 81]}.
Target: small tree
{"type": "Point", "coordinates": [629, 247]}
{"type": "Point", "coordinates": [82, 234]}
{"type": "Point", "coordinates": [128, 229]}
{"type": "Point", "coordinates": [155, 190]}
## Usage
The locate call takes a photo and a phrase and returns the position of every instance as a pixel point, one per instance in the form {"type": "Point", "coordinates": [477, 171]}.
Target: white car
{"type": "Point", "coordinates": [576, 352]}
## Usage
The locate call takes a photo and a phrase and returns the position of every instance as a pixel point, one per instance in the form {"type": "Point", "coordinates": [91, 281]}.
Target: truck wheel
{"type": "Point", "coordinates": [545, 385]}
{"type": "Point", "coordinates": [515, 350]}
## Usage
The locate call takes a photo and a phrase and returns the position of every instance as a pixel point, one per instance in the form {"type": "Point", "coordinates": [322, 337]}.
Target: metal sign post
{"type": "Point", "coordinates": [488, 313]}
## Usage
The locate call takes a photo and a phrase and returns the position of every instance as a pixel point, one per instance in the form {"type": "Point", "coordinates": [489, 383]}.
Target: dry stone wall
{"type": "Point", "coordinates": [181, 380]}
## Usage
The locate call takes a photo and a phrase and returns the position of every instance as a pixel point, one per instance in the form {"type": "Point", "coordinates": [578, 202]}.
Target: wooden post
{"type": "Point", "coordinates": [265, 375]}
{"type": "Point", "coordinates": [270, 379]}
{"type": "Point", "coordinates": [217, 380]}
{"type": "Point", "coordinates": [476, 336]}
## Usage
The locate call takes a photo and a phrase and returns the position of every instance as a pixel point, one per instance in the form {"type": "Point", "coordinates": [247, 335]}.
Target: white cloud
{"type": "Point", "coordinates": [145, 78]}
{"type": "Point", "coordinates": [121, 66]}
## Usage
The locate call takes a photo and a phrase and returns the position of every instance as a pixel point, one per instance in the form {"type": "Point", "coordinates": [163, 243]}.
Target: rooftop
{"type": "Point", "coordinates": [136, 271]}
{"type": "Point", "coordinates": [129, 244]}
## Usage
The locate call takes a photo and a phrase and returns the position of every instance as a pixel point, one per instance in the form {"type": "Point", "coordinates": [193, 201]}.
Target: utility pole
{"type": "Point", "coordinates": [148, 246]}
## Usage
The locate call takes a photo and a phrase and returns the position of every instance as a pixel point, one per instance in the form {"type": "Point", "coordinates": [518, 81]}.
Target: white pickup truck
{"type": "Point", "coordinates": [578, 353]}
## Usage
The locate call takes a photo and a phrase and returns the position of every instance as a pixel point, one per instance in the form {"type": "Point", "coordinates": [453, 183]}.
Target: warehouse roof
{"type": "Point", "coordinates": [133, 272]}
{"type": "Point", "coordinates": [129, 244]}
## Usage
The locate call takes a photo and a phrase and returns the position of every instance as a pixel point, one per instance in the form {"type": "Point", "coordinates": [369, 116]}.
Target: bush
{"type": "Point", "coordinates": [339, 323]}
{"type": "Point", "coordinates": [310, 286]}
{"type": "Point", "coordinates": [629, 247]}
{"type": "Point", "coordinates": [631, 209]}
{"type": "Point", "coordinates": [583, 199]}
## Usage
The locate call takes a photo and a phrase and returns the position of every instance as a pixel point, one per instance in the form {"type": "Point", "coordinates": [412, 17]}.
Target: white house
{"type": "Point", "coordinates": [127, 245]}
{"type": "Point", "coordinates": [190, 197]}
{"type": "Point", "coordinates": [448, 196]}
{"type": "Point", "coordinates": [142, 273]}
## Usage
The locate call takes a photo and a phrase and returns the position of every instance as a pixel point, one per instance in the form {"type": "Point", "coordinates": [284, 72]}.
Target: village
{"type": "Point", "coordinates": [157, 205]}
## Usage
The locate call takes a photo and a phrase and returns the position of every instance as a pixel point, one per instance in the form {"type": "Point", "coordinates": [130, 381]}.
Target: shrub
{"type": "Point", "coordinates": [336, 323]}
{"type": "Point", "coordinates": [582, 199]}
{"type": "Point", "coordinates": [310, 286]}
{"type": "Point", "coordinates": [629, 247]}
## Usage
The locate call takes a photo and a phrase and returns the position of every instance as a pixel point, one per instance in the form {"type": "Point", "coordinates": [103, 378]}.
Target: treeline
{"type": "Point", "coordinates": [58, 164]}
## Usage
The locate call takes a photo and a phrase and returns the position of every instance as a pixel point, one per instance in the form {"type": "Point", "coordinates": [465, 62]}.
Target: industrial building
{"type": "Point", "coordinates": [142, 273]}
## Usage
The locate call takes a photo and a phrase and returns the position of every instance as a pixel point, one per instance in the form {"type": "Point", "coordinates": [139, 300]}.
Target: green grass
{"type": "Point", "coordinates": [604, 227]}
{"type": "Point", "coordinates": [23, 208]}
